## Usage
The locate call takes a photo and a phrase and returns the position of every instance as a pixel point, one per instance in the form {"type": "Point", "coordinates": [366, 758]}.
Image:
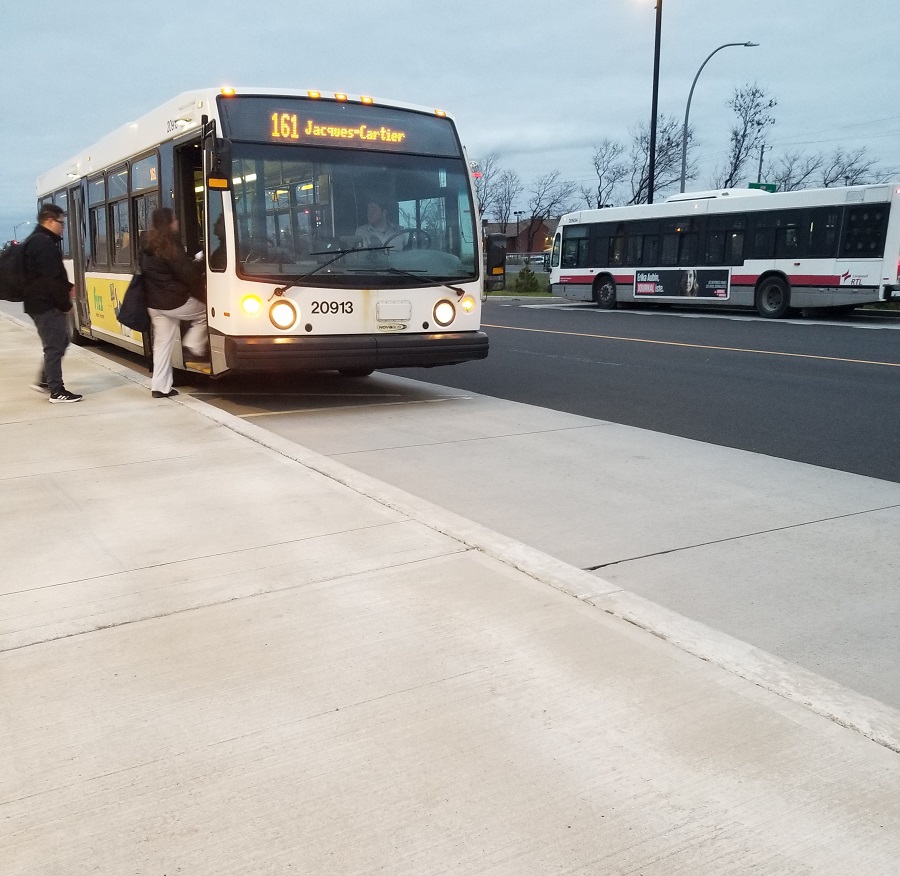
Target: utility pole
{"type": "Point", "coordinates": [762, 151]}
{"type": "Point", "coordinates": [651, 170]}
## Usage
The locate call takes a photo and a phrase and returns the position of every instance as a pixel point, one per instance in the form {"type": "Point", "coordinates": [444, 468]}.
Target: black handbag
{"type": "Point", "coordinates": [133, 309]}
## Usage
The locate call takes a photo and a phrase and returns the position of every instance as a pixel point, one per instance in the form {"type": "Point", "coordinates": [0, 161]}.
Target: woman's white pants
{"type": "Point", "coordinates": [166, 328]}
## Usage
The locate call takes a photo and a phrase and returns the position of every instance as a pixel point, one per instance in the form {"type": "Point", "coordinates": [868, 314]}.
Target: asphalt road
{"type": "Point", "coordinates": [822, 391]}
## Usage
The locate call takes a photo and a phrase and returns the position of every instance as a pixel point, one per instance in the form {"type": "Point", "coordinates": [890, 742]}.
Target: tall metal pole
{"type": "Point", "coordinates": [687, 110]}
{"type": "Point", "coordinates": [651, 172]}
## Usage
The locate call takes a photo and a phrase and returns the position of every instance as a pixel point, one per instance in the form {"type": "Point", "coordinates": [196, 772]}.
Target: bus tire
{"type": "Point", "coordinates": [773, 298]}
{"type": "Point", "coordinates": [605, 292]}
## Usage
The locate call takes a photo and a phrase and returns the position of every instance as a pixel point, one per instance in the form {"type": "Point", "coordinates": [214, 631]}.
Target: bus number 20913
{"type": "Point", "coordinates": [332, 307]}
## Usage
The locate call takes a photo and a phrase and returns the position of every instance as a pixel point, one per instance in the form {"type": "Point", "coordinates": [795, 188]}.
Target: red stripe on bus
{"type": "Point", "coordinates": [736, 279]}
{"type": "Point", "coordinates": [795, 279]}
{"type": "Point", "coordinates": [570, 278]}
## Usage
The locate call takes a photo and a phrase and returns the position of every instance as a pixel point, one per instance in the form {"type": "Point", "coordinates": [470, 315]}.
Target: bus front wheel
{"type": "Point", "coordinates": [605, 293]}
{"type": "Point", "coordinates": [773, 298]}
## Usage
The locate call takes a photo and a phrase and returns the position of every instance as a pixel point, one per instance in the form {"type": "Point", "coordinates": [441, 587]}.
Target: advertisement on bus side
{"type": "Point", "coordinates": [681, 283]}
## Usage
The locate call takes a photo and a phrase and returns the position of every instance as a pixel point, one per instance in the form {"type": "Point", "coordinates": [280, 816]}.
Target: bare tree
{"type": "Point", "coordinates": [610, 170]}
{"type": "Point", "coordinates": [667, 171]}
{"type": "Point", "coordinates": [848, 168]}
{"type": "Point", "coordinates": [509, 187]}
{"type": "Point", "coordinates": [751, 104]}
{"type": "Point", "coordinates": [793, 170]}
{"type": "Point", "coordinates": [487, 172]}
{"type": "Point", "coordinates": [548, 197]}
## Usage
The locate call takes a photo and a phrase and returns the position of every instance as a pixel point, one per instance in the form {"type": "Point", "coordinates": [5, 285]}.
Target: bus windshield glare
{"type": "Point", "coordinates": [297, 208]}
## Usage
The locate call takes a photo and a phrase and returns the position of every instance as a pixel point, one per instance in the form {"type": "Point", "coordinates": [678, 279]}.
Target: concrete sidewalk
{"type": "Point", "coordinates": [221, 653]}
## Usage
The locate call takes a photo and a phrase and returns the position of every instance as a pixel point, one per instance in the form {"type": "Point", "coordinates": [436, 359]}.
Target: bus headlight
{"type": "Point", "coordinates": [251, 305]}
{"type": "Point", "coordinates": [444, 312]}
{"type": "Point", "coordinates": [468, 304]}
{"type": "Point", "coordinates": [283, 314]}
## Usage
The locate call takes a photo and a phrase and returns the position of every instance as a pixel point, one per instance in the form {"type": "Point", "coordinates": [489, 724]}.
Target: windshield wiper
{"type": "Point", "coordinates": [280, 290]}
{"type": "Point", "coordinates": [392, 270]}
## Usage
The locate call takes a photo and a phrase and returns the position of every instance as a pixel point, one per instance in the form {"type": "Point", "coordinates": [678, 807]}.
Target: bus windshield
{"type": "Point", "coordinates": [378, 219]}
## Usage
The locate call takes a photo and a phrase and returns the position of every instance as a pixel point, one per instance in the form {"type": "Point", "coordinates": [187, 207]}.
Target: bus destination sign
{"type": "Point", "coordinates": [300, 121]}
{"type": "Point", "coordinates": [290, 126]}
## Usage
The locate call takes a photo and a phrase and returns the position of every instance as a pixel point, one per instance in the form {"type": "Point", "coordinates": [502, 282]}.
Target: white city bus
{"type": "Point", "coordinates": [837, 247]}
{"type": "Point", "coordinates": [270, 189]}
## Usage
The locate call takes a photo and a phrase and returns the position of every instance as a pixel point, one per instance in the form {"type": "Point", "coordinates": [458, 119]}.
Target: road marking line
{"type": "Point", "coordinates": [692, 346]}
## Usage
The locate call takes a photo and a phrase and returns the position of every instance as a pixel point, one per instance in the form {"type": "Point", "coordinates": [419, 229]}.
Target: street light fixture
{"type": "Point", "coordinates": [518, 214]}
{"type": "Point", "coordinates": [687, 111]}
{"type": "Point", "coordinates": [17, 227]}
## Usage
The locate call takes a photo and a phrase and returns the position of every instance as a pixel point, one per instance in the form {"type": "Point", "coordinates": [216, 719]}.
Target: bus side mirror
{"type": "Point", "coordinates": [219, 174]}
{"type": "Point", "coordinates": [495, 277]}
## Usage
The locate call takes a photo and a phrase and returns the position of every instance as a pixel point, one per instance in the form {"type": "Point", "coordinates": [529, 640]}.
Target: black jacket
{"type": "Point", "coordinates": [170, 282]}
{"type": "Point", "coordinates": [47, 285]}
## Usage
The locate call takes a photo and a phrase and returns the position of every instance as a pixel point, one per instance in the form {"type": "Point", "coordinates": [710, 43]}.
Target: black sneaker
{"type": "Point", "coordinates": [40, 386]}
{"type": "Point", "coordinates": [64, 397]}
{"type": "Point", "coordinates": [157, 394]}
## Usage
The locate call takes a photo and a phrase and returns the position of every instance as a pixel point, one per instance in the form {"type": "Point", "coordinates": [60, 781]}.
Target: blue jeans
{"type": "Point", "coordinates": [53, 330]}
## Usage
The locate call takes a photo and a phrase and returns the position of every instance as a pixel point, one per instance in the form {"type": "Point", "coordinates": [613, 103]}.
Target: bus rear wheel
{"type": "Point", "coordinates": [773, 298]}
{"type": "Point", "coordinates": [605, 293]}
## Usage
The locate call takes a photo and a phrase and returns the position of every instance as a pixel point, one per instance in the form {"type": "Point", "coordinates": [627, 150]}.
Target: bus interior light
{"type": "Point", "coordinates": [283, 314]}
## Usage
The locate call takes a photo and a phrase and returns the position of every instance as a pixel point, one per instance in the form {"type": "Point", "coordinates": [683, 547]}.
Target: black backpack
{"type": "Point", "coordinates": [12, 272]}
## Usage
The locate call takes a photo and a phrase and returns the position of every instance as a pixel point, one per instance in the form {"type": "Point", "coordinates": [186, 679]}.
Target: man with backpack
{"type": "Point", "coordinates": [48, 298]}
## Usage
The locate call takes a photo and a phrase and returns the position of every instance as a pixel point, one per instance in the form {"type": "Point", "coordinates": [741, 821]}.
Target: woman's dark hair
{"type": "Point", "coordinates": [160, 239]}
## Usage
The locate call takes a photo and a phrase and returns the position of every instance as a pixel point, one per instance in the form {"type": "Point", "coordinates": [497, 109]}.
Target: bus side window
{"type": "Point", "coordinates": [734, 254]}
{"type": "Point", "coordinates": [761, 244]}
{"type": "Point", "coordinates": [865, 227]}
{"type": "Point", "coordinates": [715, 248]}
{"type": "Point", "coordinates": [570, 253]}
{"type": "Point", "coordinates": [216, 232]}
{"type": "Point", "coordinates": [635, 247]}
{"type": "Point", "coordinates": [617, 250]}
{"type": "Point", "coordinates": [823, 232]}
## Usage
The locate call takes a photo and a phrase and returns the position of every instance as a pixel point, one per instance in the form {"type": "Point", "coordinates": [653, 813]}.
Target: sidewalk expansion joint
{"type": "Point", "coordinates": [732, 538]}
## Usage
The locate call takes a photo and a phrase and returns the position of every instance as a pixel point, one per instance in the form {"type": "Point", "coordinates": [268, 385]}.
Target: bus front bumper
{"type": "Point", "coordinates": [349, 352]}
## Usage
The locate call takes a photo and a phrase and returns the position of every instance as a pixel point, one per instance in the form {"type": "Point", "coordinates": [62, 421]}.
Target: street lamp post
{"type": "Point", "coordinates": [518, 214]}
{"type": "Point", "coordinates": [687, 111]}
{"type": "Point", "coordinates": [17, 227]}
{"type": "Point", "coordinates": [651, 170]}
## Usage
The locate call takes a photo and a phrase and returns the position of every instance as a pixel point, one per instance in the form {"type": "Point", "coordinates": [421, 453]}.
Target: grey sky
{"type": "Point", "coordinates": [538, 82]}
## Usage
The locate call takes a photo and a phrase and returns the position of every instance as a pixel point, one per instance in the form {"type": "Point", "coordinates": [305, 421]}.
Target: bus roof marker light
{"type": "Point", "coordinates": [315, 95]}
{"type": "Point", "coordinates": [339, 95]}
{"type": "Point", "coordinates": [368, 101]}
{"type": "Point", "coordinates": [440, 113]}
{"type": "Point", "coordinates": [227, 91]}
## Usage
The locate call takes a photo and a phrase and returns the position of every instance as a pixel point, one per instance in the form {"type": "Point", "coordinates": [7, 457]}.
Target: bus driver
{"type": "Point", "coordinates": [379, 230]}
